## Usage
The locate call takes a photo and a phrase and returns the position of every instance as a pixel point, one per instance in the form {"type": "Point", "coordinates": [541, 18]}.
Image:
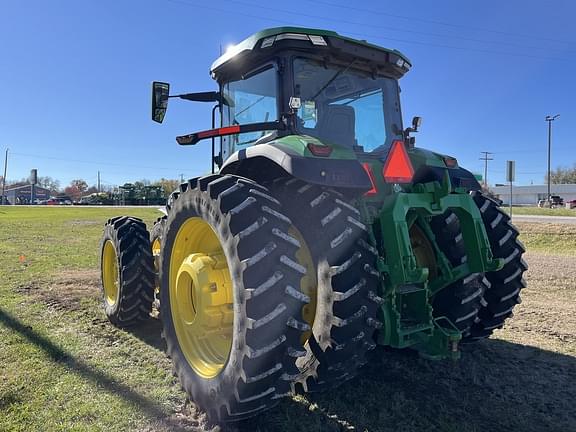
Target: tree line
{"type": "Point", "coordinates": [562, 175]}
{"type": "Point", "coordinates": [79, 187]}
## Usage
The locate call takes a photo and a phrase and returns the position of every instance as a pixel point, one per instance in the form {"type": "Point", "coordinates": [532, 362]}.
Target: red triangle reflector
{"type": "Point", "coordinates": [398, 168]}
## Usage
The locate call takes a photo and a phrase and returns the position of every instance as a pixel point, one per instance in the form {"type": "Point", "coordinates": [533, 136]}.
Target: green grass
{"type": "Point", "coordinates": [548, 238]}
{"type": "Point", "coordinates": [541, 211]}
{"type": "Point", "coordinates": [64, 367]}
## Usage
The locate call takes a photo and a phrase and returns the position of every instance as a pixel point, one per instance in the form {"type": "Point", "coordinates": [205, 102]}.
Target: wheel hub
{"type": "Point", "coordinates": [423, 251]}
{"type": "Point", "coordinates": [203, 294]}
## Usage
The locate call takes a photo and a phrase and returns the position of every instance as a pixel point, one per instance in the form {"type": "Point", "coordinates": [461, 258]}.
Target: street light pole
{"type": "Point", "coordinates": [550, 119]}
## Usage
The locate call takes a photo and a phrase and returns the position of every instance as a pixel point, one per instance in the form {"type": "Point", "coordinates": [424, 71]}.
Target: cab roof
{"type": "Point", "coordinates": [264, 42]}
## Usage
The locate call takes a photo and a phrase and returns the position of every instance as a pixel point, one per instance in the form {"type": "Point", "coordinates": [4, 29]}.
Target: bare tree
{"type": "Point", "coordinates": [167, 185]}
{"type": "Point", "coordinates": [563, 175]}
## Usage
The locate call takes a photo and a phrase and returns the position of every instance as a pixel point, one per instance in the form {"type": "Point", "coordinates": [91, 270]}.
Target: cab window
{"type": "Point", "coordinates": [249, 100]}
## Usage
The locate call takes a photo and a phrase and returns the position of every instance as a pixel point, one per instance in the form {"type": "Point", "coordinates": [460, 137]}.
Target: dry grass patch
{"type": "Point", "coordinates": [548, 238]}
{"type": "Point", "coordinates": [68, 290]}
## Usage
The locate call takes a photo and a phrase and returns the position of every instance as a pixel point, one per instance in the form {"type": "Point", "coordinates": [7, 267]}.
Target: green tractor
{"type": "Point", "coordinates": [323, 232]}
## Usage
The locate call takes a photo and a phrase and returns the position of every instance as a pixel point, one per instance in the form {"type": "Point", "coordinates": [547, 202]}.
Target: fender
{"type": "Point", "coordinates": [271, 160]}
{"type": "Point", "coordinates": [459, 177]}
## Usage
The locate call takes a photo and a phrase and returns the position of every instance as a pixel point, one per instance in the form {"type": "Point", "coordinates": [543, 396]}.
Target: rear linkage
{"type": "Point", "coordinates": [406, 312]}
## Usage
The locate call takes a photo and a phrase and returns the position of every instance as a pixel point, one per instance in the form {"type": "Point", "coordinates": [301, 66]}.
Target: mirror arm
{"type": "Point", "coordinates": [199, 97]}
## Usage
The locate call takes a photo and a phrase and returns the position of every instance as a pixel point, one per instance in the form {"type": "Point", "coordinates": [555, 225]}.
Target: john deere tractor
{"type": "Point", "coordinates": [322, 231]}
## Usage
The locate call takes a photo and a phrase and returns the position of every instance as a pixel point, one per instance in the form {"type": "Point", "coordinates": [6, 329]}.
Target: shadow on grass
{"type": "Point", "coordinates": [149, 332]}
{"type": "Point", "coordinates": [497, 386]}
{"type": "Point", "coordinates": [57, 354]}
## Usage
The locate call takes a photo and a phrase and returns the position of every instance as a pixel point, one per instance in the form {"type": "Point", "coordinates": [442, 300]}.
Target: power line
{"type": "Point", "coordinates": [486, 158]}
{"type": "Point", "coordinates": [99, 163]}
{"type": "Point", "coordinates": [386, 27]}
{"type": "Point", "coordinates": [412, 18]}
{"type": "Point", "coordinates": [363, 35]}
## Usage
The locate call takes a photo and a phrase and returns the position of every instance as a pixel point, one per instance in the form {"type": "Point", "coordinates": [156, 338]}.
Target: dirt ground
{"type": "Point", "coordinates": [67, 291]}
{"type": "Point", "coordinates": [547, 315]}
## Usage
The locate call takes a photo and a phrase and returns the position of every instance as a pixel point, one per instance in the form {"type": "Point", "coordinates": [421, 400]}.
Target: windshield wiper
{"type": "Point", "coordinates": [249, 106]}
{"type": "Point", "coordinates": [336, 75]}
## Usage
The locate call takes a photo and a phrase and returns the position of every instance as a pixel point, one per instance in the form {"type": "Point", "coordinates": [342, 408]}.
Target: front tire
{"type": "Point", "coordinates": [127, 271]}
{"type": "Point", "coordinates": [230, 299]}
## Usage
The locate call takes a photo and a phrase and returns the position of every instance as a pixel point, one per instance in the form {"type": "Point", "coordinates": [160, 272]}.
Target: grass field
{"type": "Point", "coordinates": [63, 367]}
{"type": "Point", "coordinates": [542, 211]}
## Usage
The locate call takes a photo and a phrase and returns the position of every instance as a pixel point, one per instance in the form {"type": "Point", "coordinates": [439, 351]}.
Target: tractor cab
{"type": "Point", "coordinates": [318, 84]}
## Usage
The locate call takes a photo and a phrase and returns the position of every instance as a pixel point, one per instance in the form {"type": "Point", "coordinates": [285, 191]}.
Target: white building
{"type": "Point", "coordinates": [529, 195]}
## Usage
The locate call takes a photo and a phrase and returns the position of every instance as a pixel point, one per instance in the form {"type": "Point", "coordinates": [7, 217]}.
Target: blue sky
{"type": "Point", "coordinates": [76, 74]}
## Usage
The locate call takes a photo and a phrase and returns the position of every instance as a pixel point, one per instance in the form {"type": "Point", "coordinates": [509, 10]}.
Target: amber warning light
{"type": "Point", "coordinates": [398, 168]}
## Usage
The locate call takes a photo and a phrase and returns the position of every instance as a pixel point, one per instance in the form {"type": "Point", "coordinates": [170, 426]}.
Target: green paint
{"type": "Point", "coordinates": [250, 43]}
{"type": "Point", "coordinates": [391, 210]}
{"type": "Point", "coordinates": [407, 310]}
{"type": "Point", "coordinates": [297, 144]}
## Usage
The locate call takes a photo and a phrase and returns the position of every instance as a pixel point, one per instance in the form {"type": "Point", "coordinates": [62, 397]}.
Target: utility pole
{"type": "Point", "coordinates": [4, 178]}
{"type": "Point", "coordinates": [181, 178]}
{"type": "Point", "coordinates": [98, 181]}
{"type": "Point", "coordinates": [487, 157]}
{"type": "Point", "coordinates": [550, 119]}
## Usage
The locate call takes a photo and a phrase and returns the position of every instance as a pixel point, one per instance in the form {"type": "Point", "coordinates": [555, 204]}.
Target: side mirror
{"type": "Point", "coordinates": [416, 123]}
{"type": "Point", "coordinates": [160, 92]}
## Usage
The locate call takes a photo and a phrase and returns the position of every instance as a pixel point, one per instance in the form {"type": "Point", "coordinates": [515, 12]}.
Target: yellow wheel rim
{"type": "Point", "coordinates": [201, 298]}
{"type": "Point", "coordinates": [423, 251]}
{"type": "Point", "coordinates": [110, 279]}
{"type": "Point", "coordinates": [309, 283]}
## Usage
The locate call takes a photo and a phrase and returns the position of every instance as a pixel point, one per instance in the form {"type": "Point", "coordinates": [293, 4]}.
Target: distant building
{"type": "Point", "coordinates": [529, 195]}
{"type": "Point", "coordinates": [23, 194]}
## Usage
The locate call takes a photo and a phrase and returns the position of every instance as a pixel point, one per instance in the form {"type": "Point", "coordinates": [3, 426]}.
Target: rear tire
{"type": "Point", "coordinates": [505, 284]}
{"type": "Point", "coordinates": [461, 301]}
{"type": "Point", "coordinates": [344, 321]}
{"type": "Point", "coordinates": [127, 271]}
{"type": "Point", "coordinates": [265, 326]}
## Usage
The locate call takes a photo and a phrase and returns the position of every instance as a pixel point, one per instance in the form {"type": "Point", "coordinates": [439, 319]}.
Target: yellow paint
{"type": "Point", "coordinates": [156, 256]}
{"type": "Point", "coordinates": [110, 277]}
{"type": "Point", "coordinates": [201, 298]}
{"type": "Point", "coordinates": [309, 283]}
{"type": "Point", "coordinates": [423, 251]}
